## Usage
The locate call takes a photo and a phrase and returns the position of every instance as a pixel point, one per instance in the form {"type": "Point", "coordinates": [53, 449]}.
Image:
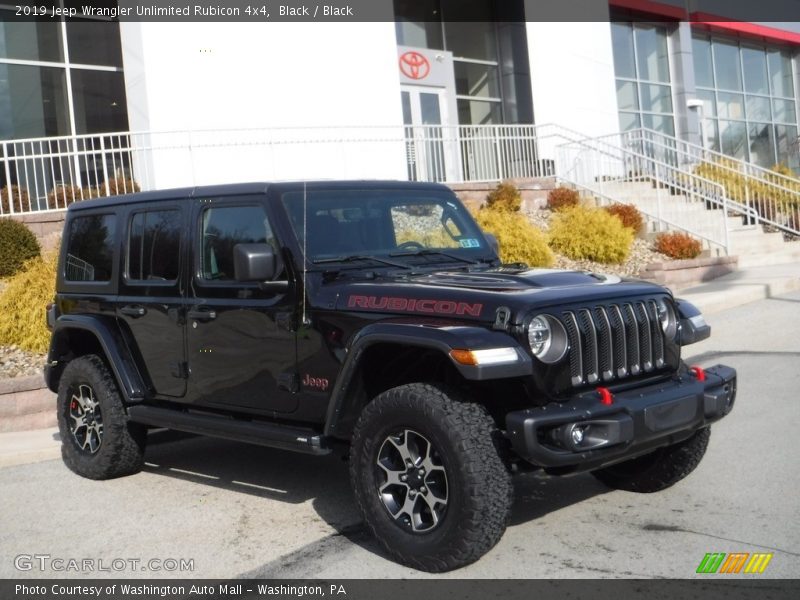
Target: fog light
{"type": "Point", "coordinates": [577, 435]}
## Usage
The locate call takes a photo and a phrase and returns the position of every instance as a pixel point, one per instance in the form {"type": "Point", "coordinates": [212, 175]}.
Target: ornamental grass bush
{"type": "Point", "coordinates": [15, 196]}
{"type": "Point", "coordinates": [583, 233]}
{"type": "Point", "coordinates": [678, 245]}
{"type": "Point", "coordinates": [628, 214]}
{"type": "Point", "coordinates": [505, 197]}
{"type": "Point", "coordinates": [23, 303]}
{"type": "Point", "coordinates": [17, 244]}
{"type": "Point", "coordinates": [561, 198]}
{"type": "Point", "coordinates": [520, 241]}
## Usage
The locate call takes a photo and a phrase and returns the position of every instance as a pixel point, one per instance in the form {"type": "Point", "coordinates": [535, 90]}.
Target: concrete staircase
{"type": "Point", "coordinates": [750, 243]}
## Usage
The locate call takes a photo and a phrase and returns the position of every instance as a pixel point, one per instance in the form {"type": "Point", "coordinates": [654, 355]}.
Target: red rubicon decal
{"type": "Point", "coordinates": [434, 307]}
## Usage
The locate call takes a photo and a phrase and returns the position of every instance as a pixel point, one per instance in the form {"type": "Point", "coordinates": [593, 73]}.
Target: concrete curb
{"type": "Point", "coordinates": [25, 447]}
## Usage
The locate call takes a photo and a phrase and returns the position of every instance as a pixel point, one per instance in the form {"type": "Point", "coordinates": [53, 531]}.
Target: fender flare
{"type": "Point", "coordinates": [443, 339]}
{"type": "Point", "coordinates": [114, 346]}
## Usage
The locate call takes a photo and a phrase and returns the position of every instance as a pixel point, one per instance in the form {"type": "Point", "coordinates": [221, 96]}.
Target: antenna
{"type": "Point", "coordinates": [305, 254]}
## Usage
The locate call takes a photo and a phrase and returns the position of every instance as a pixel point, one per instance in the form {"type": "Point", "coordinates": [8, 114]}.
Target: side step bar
{"type": "Point", "coordinates": [284, 437]}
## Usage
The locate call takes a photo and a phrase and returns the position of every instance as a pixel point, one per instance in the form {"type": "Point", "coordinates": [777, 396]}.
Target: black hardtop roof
{"type": "Point", "coordinates": [238, 189]}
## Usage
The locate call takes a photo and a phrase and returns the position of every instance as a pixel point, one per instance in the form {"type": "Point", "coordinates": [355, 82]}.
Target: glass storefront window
{"type": "Point", "coordinates": [33, 102]}
{"type": "Point", "coordinates": [627, 97]}
{"type": "Point", "coordinates": [788, 144]}
{"type": "Point", "coordinates": [703, 68]}
{"type": "Point", "coordinates": [30, 40]}
{"type": "Point", "coordinates": [752, 124]}
{"type": "Point", "coordinates": [754, 63]}
{"type": "Point", "coordinates": [99, 99]}
{"type": "Point", "coordinates": [476, 80]}
{"type": "Point", "coordinates": [94, 43]}
{"type": "Point", "coordinates": [419, 23]}
{"type": "Point", "coordinates": [656, 98]}
{"type": "Point", "coordinates": [727, 67]}
{"type": "Point", "coordinates": [641, 66]}
{"type": "Point", "coordinates": [622, 41]}
{"type": "Point", "coordinates": [758, 109]}
{"type": "Point", "coordinates": [780, 69]}
{"type": "Point", "coordinates": [733, 136]}
{"type": "Point", "coordinates": [476, 112]}
{"type": "Point", "coordinates": [651, 53]}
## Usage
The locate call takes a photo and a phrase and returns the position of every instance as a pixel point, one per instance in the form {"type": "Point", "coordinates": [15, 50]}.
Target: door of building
{"type": "Point", "coordinates": [431, 144]}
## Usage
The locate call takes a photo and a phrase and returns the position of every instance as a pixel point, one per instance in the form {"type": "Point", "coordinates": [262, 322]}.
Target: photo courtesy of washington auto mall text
{"type": "Point", "coordinates": [414, 299]}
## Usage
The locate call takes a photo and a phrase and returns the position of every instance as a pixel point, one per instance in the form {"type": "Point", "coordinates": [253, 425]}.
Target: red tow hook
{"type": "Point", "coordinates": [606, 397]}
{"type": "Point", "coordinates": [698, 373]}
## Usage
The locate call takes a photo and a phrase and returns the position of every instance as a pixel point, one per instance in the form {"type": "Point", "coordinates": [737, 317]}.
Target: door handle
{"type": "Point", "coordinates": [133, 311]}
{"type": "Point", "coordinates": [202, 315]}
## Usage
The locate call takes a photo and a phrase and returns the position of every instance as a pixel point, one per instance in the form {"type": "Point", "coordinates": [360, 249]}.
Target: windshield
{"type": "Point", "coordinates": [399, 223]}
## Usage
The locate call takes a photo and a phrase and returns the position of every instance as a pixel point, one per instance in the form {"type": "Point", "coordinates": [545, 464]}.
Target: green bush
{"type": "Point", "coordinates": [25, 298]}
{"type": "Point", "coordinates": [17, 244]}
{"type": "Point", "coordinates": [561, 198]}
{"type": "Point", "coordinates": [505, 197]}
{"type": "Point", "coordinates": [590, 234]}
{"type": "Point", "coordinates": [628, 214]}
{"type": "Point", "coordinates": [520, 241]}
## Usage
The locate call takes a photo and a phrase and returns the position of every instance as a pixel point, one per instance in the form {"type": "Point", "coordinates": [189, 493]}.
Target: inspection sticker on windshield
{"type": "Point", "coordinates": [469, 243]}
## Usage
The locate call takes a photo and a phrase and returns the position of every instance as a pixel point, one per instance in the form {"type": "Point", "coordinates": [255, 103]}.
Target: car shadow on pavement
{"type": "Point", "coordinates": [296, 478]}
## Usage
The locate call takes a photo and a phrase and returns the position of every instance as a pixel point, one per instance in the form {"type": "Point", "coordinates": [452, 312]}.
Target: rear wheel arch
{"type": "Point", "coordinates": [80, 336]}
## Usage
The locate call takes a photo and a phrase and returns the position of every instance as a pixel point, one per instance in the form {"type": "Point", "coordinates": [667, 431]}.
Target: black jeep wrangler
{"type": "Point", "coordinates": [375, 316]}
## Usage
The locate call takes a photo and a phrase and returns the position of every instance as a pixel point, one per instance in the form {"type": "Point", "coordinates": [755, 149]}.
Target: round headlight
{"type": "Point", "coordinates": [547, 338]}
{"type": "Point", "coordinates": [667, 318]}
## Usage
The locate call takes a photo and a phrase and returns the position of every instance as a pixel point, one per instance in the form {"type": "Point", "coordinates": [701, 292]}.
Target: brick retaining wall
{"type": "Point", "coordinates": [25, 404]}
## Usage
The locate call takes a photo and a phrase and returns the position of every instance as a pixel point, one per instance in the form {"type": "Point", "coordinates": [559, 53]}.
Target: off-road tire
{"type": "Point", "coordinates": [658, 470]}
{"type": "Point", "coordinates": [480, 491]}
{"type": "Point", "coordinates": [121, 450]}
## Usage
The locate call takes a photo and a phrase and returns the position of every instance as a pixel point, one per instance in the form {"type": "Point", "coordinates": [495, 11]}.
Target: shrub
{"type": "Point", "coordinates": [628, 214]}
{"type": "Point", "coordinates": [783, 169]}
{"type": "Point", "coordinates": [16, 196]}
{"type": "Point", "coordinates": [119, 185]}
{"type": "Point", "coordinates": [520, 240]}
{"type": "Point", "coordinates": [678, 245]}
{"type": "Point", "coordinates": [62, 196]}
{"type": "Point", "coordinates": [17, 244]}
{"type": "Point", "coordinates": [561, 198]}
{"type": "Point", "coordinates": [505, 197]}
{"type": "Point", "coordinates": [590, 233]}
{"type": "Point", "coordinates": [26, 297]}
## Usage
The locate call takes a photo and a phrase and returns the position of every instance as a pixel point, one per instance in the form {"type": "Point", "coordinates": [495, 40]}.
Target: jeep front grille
{"type": "Point", "coordinates": [614, 341]}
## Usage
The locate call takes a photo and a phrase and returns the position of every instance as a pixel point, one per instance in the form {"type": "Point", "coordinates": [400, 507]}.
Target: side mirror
{"type": "Point", "coordinates": [253, 263]}
{"type": "Point", "coordinates": [493, 243]}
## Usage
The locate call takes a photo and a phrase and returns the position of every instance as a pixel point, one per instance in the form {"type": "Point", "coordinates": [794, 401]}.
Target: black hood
{"type": "Point", "coordinates": [476, 295]}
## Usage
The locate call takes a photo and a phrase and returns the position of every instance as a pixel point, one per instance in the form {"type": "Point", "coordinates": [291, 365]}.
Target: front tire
{"type": "Point", "coordinates": [658, 470]}
{"type": "Point", "coordinates": [428, 478]}
{"type": "Point", "coordinates": [97, 440]}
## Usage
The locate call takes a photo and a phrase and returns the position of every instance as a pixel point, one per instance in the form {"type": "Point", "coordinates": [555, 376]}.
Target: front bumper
{"type": "Point", "coordinates": [636, 422]}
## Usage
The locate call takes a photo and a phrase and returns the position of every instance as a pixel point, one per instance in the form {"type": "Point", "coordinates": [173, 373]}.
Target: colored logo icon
{"type": "Point", "coordinates": [414, 65]}
{"type": "Point", "coordinates": [736, 562]}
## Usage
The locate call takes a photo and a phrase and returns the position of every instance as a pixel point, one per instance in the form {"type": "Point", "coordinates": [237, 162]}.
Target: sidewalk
{"type": "Point", "coordinates": [742, 287]}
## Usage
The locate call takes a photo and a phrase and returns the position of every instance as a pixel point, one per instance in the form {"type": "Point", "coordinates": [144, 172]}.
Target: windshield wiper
{"type": "Point", "coordinates": [357, 257]}
{"type": "Point", "coordinates": [431, 251]}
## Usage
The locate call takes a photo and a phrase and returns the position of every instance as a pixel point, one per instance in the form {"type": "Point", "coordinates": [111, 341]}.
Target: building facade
{"type": "Point", "coordinates": [729, 86]}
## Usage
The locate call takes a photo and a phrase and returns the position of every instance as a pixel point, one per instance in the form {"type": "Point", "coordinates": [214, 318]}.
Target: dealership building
{"type": "Point", "coordinates": [214, 102]}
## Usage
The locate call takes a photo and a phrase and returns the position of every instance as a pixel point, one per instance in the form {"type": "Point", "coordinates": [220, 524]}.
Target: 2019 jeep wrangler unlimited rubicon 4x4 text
{"type": "Point", "coordinates": [374, 315]}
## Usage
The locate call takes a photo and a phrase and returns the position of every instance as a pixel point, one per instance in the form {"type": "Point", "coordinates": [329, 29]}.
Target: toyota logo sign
{"type": "Point", "coordinates": [414, 65]}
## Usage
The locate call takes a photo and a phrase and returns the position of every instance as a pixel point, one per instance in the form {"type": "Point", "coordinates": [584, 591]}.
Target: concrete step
{"type": "Point", "coordinates": [789, 254]}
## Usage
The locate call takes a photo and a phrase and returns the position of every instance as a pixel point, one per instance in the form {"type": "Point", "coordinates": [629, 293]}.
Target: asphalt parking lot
{"type": "Point", "coordinates": [238, 510]}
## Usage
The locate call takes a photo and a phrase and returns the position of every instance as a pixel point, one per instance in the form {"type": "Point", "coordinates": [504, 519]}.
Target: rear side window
{"type": "Point", "coordinates": [154, 245]}
{"type": "Point", "coordinates": [90, 248]}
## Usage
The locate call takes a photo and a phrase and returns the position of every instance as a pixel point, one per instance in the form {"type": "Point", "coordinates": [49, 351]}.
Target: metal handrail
{"type": "Point", "coordinates": [774, 204]}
